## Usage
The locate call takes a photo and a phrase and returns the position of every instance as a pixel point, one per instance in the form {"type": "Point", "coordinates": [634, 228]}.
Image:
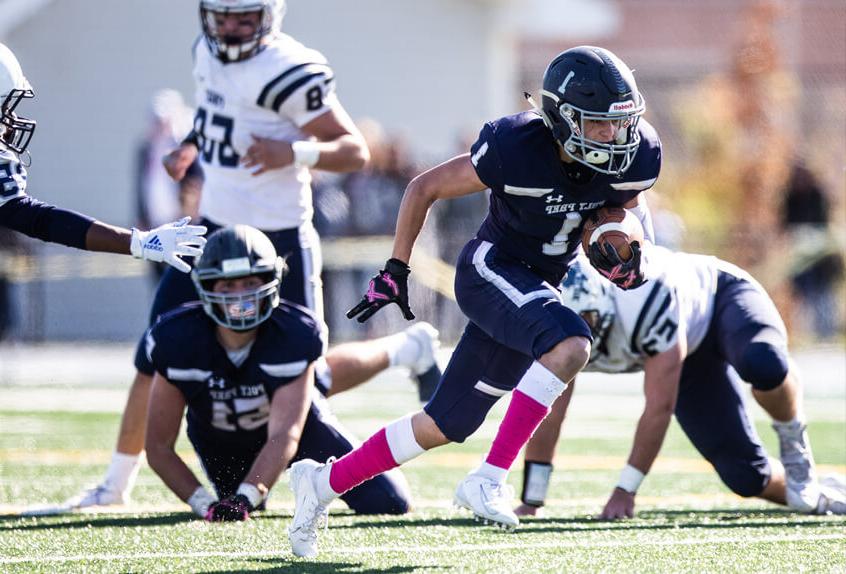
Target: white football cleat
{"type": "Point", "coordinates": [831, 501]}
{"type": "Point", "coordinates": [100, 495]}
{"type": "Point", "coordinates": [425, 369]}
{"type": "Point", "coordinates": [488, 500]}
{"type": "Point", "coordinates": [309, 513]}
{"type": "Point", "coordinates": [803, 490]}
{"type": "Point", "coordinates": [835, 482]}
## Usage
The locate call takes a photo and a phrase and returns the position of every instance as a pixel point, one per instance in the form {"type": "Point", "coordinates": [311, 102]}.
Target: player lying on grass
{"type": "Point", "coordinates": [31, 217]}
{"type": "Point", "coordinates": [697, 330]}
{"type": "Point", "coordinates": [547, 171]}
{"type": "Point", "coordinates": [244, 364]}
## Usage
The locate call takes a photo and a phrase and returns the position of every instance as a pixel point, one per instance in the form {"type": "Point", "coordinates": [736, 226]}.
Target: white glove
{"type": "Point", "coordinates": [169, 242]}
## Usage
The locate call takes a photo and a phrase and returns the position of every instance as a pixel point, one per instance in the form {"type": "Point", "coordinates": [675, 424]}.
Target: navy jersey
{"type": "Point", "coordinates": [229, 405]}
{"type": "Point", "coordinates": [537, 210]}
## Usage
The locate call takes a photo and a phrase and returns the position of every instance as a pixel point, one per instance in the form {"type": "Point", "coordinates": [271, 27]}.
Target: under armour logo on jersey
{"type": "Point", "coordinates": [555, 198]}
{"type": "Point", "coordinates": [217, 383]}
{"type": "Point", "coordinates": [154, 243]}
{"type": "Point", "coordinates": [474, 159]}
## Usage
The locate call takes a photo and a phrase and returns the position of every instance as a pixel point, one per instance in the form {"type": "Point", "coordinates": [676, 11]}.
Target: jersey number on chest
{"type": "Point", "coordinates": [214, 132]}
{"type": "Point", "coordinates": [240, 414]}
{"type": "Point", "coordinates": [559, 243]}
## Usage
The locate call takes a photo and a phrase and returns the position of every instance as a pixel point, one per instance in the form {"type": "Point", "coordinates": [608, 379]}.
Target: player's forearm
{"type": "Point", "coordinates": [649, 437]}
{"type": "Point", "coordinates": [272, 460]}
{"type": "Point", "coordinates": [344, 154]}
{"type": "Point", "coordinates": [173, 471]}
{"type": "Point", "coordinates": [108, 238]}
{"type": "Point", "coordinates": [413, 211]}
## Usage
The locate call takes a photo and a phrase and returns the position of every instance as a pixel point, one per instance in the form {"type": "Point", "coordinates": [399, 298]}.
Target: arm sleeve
{"type": "Point", "coordinates": [645, 216]}
{"type": "Point", "coordinates": [45, 222]}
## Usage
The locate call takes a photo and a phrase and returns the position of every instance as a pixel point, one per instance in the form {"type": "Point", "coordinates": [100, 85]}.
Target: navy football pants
{"type": "Point", "coordinates": [301, 285]}
{"type": "Point", "coordinates": [710, 407]}
{"type": "Point", "coordinates": [322, 437]}
{"type": "Point", "coordinates": [515, 318]}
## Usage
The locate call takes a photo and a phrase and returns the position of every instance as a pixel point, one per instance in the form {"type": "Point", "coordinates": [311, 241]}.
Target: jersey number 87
{"type": "Point", "coordinates": [215, 138]}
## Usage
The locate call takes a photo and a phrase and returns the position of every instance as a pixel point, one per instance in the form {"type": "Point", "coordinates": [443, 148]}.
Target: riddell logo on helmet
{"type": "Point", "coordinates": [622, 106]}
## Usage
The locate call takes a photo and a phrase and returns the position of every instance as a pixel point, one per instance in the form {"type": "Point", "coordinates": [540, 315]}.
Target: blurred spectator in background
{"type": "Point", "coordinates": [817, 261]}
{"type": "Point", "coordinates": [359, 204]}
{"type": "Point", "coordinates": [454, 217]}
{"type": "Point", "coordinates": [159, 198]}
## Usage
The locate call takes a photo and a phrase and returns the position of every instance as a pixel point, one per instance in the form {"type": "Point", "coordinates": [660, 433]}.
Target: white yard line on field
{"type": "Point", "coordinates": [447, 549]}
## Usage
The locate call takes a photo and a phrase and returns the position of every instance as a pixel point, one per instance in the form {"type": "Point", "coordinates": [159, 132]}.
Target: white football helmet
{"type": "Point", "coordinates": [589, 294]}
{"type": "Point", "coordinates": [15, 131]}
{"type": "Point", "coordinates": [234, 48]}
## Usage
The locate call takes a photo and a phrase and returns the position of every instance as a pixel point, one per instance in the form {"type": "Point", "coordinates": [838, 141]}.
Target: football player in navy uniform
{"type": "Point", "coordinates": [243, 363]}
{"type": "Point", "coordinates": [267, 114]}
{"type": "Point", "coordinates": [697, 330]}
{"type": "Point", "coordinates": [547, 170]}
{"type": "Point", "coordinates": [29, 216]}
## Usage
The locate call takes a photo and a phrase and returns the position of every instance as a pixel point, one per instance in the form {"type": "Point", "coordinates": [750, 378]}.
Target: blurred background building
{"type": "Point", "coordinates": [743, 92]}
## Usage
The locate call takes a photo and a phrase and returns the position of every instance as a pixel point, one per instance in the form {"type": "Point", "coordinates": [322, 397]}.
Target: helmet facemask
{"type": "Point", "coordinates": [15, 131]}
{"type": "Point", "coordinates": [612, 158]}
{"type": "Point", "coordinates": [241, 310]}
{"type": "Point", "coordinates": [230, 49]}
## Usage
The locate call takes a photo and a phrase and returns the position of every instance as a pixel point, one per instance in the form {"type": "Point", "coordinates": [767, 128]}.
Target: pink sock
{"type": "Point", "coordinates": [523, 416]}
{"type": "Point", "coordinates": [370, 459]}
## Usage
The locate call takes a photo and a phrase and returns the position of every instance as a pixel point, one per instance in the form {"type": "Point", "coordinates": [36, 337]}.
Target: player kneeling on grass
{"type": "Point", "coordinates": [698, 329]}
{"type": "Point", "coordinates": [244, 364]}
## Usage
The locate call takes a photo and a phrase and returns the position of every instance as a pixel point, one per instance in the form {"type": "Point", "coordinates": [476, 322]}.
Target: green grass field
{"type": "Point", "coordinates": [687, 521]}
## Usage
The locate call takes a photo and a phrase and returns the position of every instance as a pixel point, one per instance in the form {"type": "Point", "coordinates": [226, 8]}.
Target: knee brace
{"type": "Point", "coordinates": [763, 364]}
{"type": "Point", "coordinates": [744, 478]}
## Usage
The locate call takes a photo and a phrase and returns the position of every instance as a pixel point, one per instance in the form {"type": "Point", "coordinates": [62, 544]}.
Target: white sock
{"type": "Point", "coordinates": [792, 427]}
{"type": "Point", "coordinates": [492, 472]}
{"type": "Point", "coordinates": [402, 350]}
{"type": "Point", "coordinates": [401, 440]}
{"type": "Point", "coordinates": [122, 471]}
{"type": "Point", "coordinates": [325, 494]}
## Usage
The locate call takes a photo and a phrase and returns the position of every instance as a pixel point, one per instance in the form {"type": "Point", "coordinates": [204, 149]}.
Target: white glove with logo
{"type": "Point", "coordinates": [169, 242]}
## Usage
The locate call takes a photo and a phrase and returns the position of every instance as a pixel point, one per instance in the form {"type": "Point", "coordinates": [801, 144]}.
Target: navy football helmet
{"type": "Point", "coordinates": [235, 49]}
{"type": "Point", "coordinates": [230, 253]}
{"type": "Point", "coordinates": [15, 131]}
{"type": "Point", "coordinates": [589, 294]}
{"type": "Point", "coordinates": [592, 84]}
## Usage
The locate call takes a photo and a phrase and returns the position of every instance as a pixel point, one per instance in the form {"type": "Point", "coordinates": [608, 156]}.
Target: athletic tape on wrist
{"type": "Point", "coordinates": [630, 479]}
{"type": "Point", "coordinates": [306, 153]}
{"type": "Point", "coordinates": [252, 493]}
{"type": "Point", "coordinates": [200, 501]}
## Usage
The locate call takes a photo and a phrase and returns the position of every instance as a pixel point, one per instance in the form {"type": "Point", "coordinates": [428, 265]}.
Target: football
{"type": "Point", "coordinates": [615, 225]}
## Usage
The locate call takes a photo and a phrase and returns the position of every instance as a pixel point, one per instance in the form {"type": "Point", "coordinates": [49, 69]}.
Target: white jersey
{"type": "Point", "coordinates": [273, 94]}
{"type": "Point", "coordinates": [12, 176]}
{"type": "Point", "coordinates": [678, 298]}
